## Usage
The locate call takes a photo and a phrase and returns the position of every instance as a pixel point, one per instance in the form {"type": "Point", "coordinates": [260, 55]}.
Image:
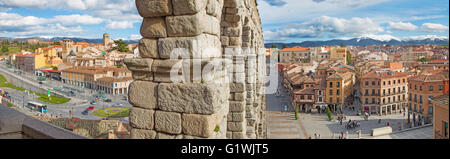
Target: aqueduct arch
{"type": "Point", "coordinates": [197, 107]}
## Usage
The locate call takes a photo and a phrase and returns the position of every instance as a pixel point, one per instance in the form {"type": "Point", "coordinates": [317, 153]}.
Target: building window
{"type": "Point", "coordinates": [389, 82]}
{"type": "Point", "coordinates": [384, 92]}
{"type": "Point", "coordinates": [415, 87]}
{"type": "Point", "coordinates": [415, 97]}
{"type": "Point", "coordinates": [430, 110]}
{"type": "Point", "coordinates": [389, 99]}
{"type": "Point", "coordinates": [367, 92]}
{"type": "Point", "coordinates": [420, 87]}
{"type": "Point", "coordinates": [403, 80]}
{"type": "Point", "coordinates": [398, 81]}
{"type": "Point", "coordinates": [420, 108]}
{"type": "Point", "coordinates": [338, 100]}
{"type": "Point", "coordinates": [404, 88]}
{"type": "Point", "coordinates": [403, 97]}
{"type": "Point", "coordinates": [393, 81]}
{"type": "Point", "coordinates": [410, 106]}
{"type": "Point", "coordinates": [373, 92]}
{"type": "Point", "coordinates": [331, 84]}
{"type": "Point", "coordinates": [393, 99]}
{"type": "Point", "coordinates": [384, 83]}
{"type": "Point", "coordinates": [331, 92]}
{"type": "Point", "coordinates": [393, 90]}
{"type": "Point", "coordinates": [440, 88]}
{"type": "Point", "coordinates": [367, 101]}
{"type": "Point", "coordinates": [302, 97]}
{"type": "Point", "coordinates": [429, 99]}
{"type": "Point", "coordinates": [337, 92]}
{"type": "Point", "coordinates": [320, 99]}
{"type": "Point", "coordinates": [373, 100]}
{"type": "Point", "coordinates": [420, 99]}
{"type": "Point", "coordinates": [415, 107]}
{"type": "Point", "coordinates": [389, 91]}
{"type": "Point", "coordinates": [309, 97]}
{"type": "Point", "coordinates": [373, 83]}
{"type": "Point", "coordinates": [331, 100]}
{"type": "Point", "coordinates": [338, 84]}
{"type": "Point", "coordinates": [431, 88]}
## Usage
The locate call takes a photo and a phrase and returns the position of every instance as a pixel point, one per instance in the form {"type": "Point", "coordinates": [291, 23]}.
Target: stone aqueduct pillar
{"type": "Point", "coordinates": [221, 34]}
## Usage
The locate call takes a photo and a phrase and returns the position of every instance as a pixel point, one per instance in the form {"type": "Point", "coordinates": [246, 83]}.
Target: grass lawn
{"type": "Point", "coordinates": [42, 97]}
{"type": "Point", "coordinates": [112, 112]}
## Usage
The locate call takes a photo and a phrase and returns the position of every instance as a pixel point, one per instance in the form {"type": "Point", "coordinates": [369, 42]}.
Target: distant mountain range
{"type": "Point", "coordinates": [364, 41]}
{"type": "Point", "coordinates": [62, 38]}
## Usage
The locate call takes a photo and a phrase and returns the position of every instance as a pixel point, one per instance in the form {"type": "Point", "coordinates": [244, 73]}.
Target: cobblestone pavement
{"type": "Point", "coordinates": [284, 126]}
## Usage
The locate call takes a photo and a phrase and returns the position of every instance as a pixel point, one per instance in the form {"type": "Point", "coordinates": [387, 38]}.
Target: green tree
{"type": "Point", "coordinates": [423, 59]}
{"type": "Point", "coordinates": [349, 58]}
{"type": "Point", "coordinates": [55, 68]}
{"type": "Point", "coordinates": [342, 44]}
{"type": "Point", "coordinates": [119, 66]}
{"type": "Point", "coordinates": [274, 46]}
{"type": "Point", "coordinates": [121, 46]}
{"type": "Point", "coordinates": [56, 43]}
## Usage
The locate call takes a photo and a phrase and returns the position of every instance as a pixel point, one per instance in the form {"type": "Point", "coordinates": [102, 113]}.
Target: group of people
{"type": "Point", "coordinates": [352, 124]}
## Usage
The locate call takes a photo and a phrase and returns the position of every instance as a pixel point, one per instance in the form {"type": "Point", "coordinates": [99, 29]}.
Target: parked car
{"type": "Point", "coordinates": [90, 108]}
{"type": "Point", "coordinates": [93, 102]}
{"type": "Point", "coordinates": [108, 100]}
{"type": "Point", "coordinates": [85, 112]}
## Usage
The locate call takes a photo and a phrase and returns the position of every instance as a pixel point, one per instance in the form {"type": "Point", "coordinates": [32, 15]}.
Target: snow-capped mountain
{"type": "Point", "coordinates": [370, 40]}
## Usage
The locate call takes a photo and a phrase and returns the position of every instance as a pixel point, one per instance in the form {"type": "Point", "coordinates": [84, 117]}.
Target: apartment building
{"type": "Point", "coordinates": [108, 79]}
{"type": "Point", "coordinates": [339, 53]}
{"type": "Point", "coordinates": [384, 92]}
{"type": "Point", "coordinates": [339, 89]}
{"type": "Point", "coordinates": [296, 54]}
{"type": "Point", "coordinates": [424, 87]}
{"type": "Point", "coordinates": [440, 117]}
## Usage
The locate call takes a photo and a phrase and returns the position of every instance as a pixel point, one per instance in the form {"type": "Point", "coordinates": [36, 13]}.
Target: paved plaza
{"type": "Point", "coordinates": [282, 125]}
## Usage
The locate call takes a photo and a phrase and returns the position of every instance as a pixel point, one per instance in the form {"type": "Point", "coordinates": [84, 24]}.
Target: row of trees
{"type": "Point", "coordinates": [7, 47]}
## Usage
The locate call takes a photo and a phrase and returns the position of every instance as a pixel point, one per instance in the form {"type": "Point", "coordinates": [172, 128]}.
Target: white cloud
{"type": "Point", "coordinates": [297, 10]}
{"type": "Point", "coordinates": [77, 19]}
{"type": "Point", "coordinates": [432, 27]}
{"type": "Point", "coordinates": [402, 26]}
{"type": "Point", "coordinates": [317, 27]}
{"type": "Point", "coordinates": [119, 25]}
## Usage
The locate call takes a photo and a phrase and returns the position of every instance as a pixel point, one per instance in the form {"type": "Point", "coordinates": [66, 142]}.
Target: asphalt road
{"type": "Point", "coordinates": [77, 104]}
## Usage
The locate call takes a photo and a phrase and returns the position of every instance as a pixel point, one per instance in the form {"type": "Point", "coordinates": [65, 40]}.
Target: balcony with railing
{"type": "Point", "coordinates": [16, 125]}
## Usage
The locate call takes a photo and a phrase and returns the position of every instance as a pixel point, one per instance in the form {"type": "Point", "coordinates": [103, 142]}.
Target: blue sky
{"type": "Point", "coordinates": [283, 20]}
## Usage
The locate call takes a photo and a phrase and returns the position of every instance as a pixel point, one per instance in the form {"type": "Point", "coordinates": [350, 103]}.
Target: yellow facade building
{"type": "Point", "coordinates": [339, 89]}
{"type": "Point", "coordinates": [339, 53]}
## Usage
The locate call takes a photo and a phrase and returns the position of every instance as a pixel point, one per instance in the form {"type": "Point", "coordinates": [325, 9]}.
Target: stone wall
{"type": "Point", "coordinates": [199, 75]}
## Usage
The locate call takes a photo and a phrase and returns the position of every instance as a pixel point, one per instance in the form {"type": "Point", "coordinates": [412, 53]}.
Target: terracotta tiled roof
{"type": "Point", "coordinates": [111, 79]}
{"type": "Point", "coordinates": [428, 77]}
{"type": "Point", "coordinates": [383, 75]}
{"type": "Point", "coordinates": [441, 100]}
{"type": "Point", "coordinates": [304, 91]}
{"type": "Point", "coordinates": [294, 49]}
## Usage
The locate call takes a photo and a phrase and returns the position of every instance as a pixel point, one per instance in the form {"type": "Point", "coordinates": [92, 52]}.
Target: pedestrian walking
{"type": "Point", "coordinates": [379, 121]}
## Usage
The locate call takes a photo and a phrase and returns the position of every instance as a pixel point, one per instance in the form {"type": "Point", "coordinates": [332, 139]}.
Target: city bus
{"type": "Point", "coordinates": [37, 107]}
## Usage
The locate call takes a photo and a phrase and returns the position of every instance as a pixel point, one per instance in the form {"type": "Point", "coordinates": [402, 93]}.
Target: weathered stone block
{"type": "Point", "coordinates": [213, 8]}
{"type": "Point", "coordinates": [142, 118]}
{"type": "Point", "coordinates": [148, 48]}
{"type": "Point", "coordinates": [168, 122]}
{"type": "Point", "coordinates": [238, 135]}
{"type": "Point", "coordinates": [143, 76]}
{"type": "Point", "coordinates": [153, 28]}
{"type": "Point", "coordinates": [183, 7]}
{"type": "Point", "coordinates": [139, 65]}
{"type": "Point", "coordinates": [238, 116]}
{"type": "Point", "coordinates": [239, 97]}
{"type": "Point", "coordinates": [143, 94]}
{"type": "Point", "coordinates": [235, 41]}
{"type": "Point", "coordinates": [198, 47]}
{"type": "Point", "coordinates": [237, 106]}
{"type": "Point", "coordinates": [154, 8]}
{"type": "Point", "coordinates": [229, 135]}
{"type": "Point", "coordinates": [186, 25]}
{"type": "Point", "coordinates": [199, 125]}
{"type": "Point", "coordinates": [237, 87]}
{"type": "Point", "coordinates": [142, 134]}
{"type": "Point", "coordinates": [165, 136]}
{"type": "Point", "coordinates": [192, 98]}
